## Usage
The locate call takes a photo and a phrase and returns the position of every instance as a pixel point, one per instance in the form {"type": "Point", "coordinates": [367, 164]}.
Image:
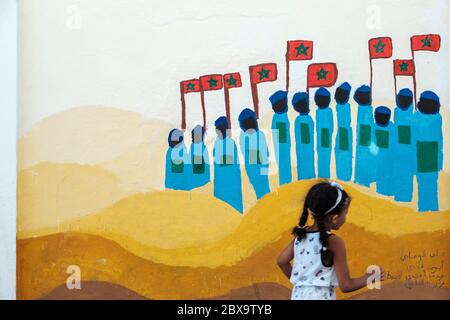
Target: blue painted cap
{"type": "Point", "coordinates": [299, 96]}
{"type": "Point", "coordinates": [430, 95]}
{"type": "Point", "coordinates": [323, 92]}
{"type": "Point", "coordinates": [278, 96]}
{"type": "Point", "coordinates": [175, 135]}
{"type": "Point", "coordinates": [405, 92]}
{"type": "Point", "coordinates": [345, 86]}
{"type": "Point", "coordinates": [221, 122]}
{"type": "Point", "coordinates": [363, 88]}
{"type": "Point", "coordinates": [383, 110]}
{"type": "Point", "coordinates": [246, 114]}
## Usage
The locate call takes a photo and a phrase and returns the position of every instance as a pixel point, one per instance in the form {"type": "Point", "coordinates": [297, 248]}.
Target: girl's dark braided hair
{"type": "Point", "coordinates": [319, 199]}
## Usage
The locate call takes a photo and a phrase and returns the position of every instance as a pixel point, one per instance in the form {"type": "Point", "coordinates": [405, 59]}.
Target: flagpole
{"type": "Point", "coordinates": [183, 107]}
{"type": "Point", "coordinates": [202, 97]}
{"type": "Point", "coordinates": [414, 77]}
{"type": "Point", "coordinates": [255, 99]}
{"type": "Point", "coordinates": [287, 67]}
{"type": "Point", "coordinates": [226, 93]}
{"type": "Point", "coordinates": [415, 90]}
{"type": "Point", "coordinates": [395, 79]}
{"type": "Point", "coordinates": [371, 75]}
{"type": "Point", "coordinates": [395, 86]}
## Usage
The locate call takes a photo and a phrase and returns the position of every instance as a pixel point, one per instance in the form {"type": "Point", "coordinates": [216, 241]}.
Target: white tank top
{"type": "Point", "coordinates": [308, 269]}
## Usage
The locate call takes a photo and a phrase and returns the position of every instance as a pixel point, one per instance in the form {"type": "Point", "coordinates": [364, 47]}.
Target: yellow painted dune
{"type": "Point", "coordinates": [165, 227]}
{"type": "Point", "coordinates": [51, 194]}
{"type": "Point", "coordinates": [164, 220]}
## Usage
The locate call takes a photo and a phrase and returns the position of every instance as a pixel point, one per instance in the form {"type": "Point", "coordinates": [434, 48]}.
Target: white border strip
{"type": "Point", "coordinates": [8, 137]}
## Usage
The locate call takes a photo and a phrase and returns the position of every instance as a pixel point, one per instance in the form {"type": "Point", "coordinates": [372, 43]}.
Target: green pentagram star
{"type": "Point", "coordinates": [263, 74]}
{"type": "Point", "coordinates": [232, 81]}
{"type": "Point", "coordinates": [190, 86]}
{"type": "Point", "coordinates": [403, 66]}
{"type": "Point", "coordinates": [379, 47]}
{"type": "Point", "coordinates": [212, 82]}
{"type": "Point", "coordinates": [322, 74]}
{"type": "Point", "coordinates": [426, 42]}
{"type": "Point", "coordinates": [301, 49]}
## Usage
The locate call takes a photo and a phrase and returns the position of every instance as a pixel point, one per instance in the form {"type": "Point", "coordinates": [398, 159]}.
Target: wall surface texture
{"type": "Point", "coordinates": [113, 203]}
{"type": "Point", "coordinates": [8, 67]}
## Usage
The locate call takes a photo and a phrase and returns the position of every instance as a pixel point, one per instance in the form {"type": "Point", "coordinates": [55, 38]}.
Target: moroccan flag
{"type": "Point", "coordinates": [211, 82]}
{"type": "Point", "coordinates": [404, 67]}
{"type": "Point", "coordinates": [299, 50]}
{"type": "Point", "coordinates": [263, 73]}
{"type": "Point", "coordinates": [322, 74]}
{"type": "Point", "coordinates": [232, 80]}
{"type": "Point", "coordinates": [189, 86]}
{"type": "Point", "coordinates": [380, 48]}
{"type": "Point", "coordinates": [428, 42]}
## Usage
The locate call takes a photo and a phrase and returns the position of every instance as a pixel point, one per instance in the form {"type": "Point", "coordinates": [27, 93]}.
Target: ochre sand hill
{"type": "Point", "coordinates": [92, 290]}
{"type": "Point", "coordinates": [42, 264]}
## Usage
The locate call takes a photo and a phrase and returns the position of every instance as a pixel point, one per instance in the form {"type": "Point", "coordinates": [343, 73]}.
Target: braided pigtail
{"type": "Point", "coordinates": [325, 254]}
{"type": "Point", "coordinates": [300, 229]}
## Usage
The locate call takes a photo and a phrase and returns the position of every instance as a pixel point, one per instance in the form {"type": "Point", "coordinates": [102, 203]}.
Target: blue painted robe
{"type": "Point", "coordinates": [282, 144]}
{"type": "Point", "coordinates": [428, 140]}
{"type": "Point", "coordinates": [343, 147]}
{"type": "Point", "coordinates": [227, 173]}
{"type": "Point", "coordinates": [304, 147]}
{"type": "Point", "coordinates": [178, 168]}
{"type": "Point", "coordinates": [256, 154]}
{"type": "Point", "coordinates": [324, 129]}
{"type": "Point", "coordinates": [365, 137]}
{"type": "Point", "coordinates": [404, 154]}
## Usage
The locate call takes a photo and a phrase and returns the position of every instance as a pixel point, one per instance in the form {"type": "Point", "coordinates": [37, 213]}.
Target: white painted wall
{"type": "Point", "coordinates": [8, 66]}
{"type": "Point", "coordinates": [131, 54]}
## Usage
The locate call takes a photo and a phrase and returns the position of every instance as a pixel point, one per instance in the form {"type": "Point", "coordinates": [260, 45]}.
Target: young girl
{"type": "Point", "coordinates": [320, 262]}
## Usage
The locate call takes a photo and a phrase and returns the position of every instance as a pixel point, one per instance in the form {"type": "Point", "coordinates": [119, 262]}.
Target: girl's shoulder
{"type": "Point", "coordinates": [335, 242]}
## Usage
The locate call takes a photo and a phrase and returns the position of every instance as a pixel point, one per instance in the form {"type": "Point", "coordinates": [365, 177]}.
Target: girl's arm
{"type": "Point", "coordinates": [284, 260]}
{"type": "Point", "coordinates": [346, 283]}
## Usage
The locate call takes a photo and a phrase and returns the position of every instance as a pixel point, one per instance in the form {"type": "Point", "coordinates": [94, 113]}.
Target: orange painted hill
{"type": "Point", "coordinates": [42, 264]}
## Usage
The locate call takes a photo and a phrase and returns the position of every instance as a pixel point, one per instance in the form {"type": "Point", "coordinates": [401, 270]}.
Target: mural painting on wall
{"type": "Point", "coordinates": [410, 139]}
{"type": "Point", "coordinates": [114, 204]}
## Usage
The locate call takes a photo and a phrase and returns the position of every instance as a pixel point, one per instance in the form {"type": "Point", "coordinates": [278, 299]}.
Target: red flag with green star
{"type": "Point", "coordinates": [427, 42]}
{"type": "Point", "coordinates": [404, 67]}
{"type": "Point", "coordinates": [232, 80]}
{"type": "Point", "coordinates": [211, 82]}
{"type": "Point", "coordinates": [322, 74]}
{"type": "Point", "coordinates": [380, 48]}
{"type": "Point", "coordinates": [300, 50]}
{"type": "Point", "coordinates": [263, 73]}
{"type": "Point", "coordinates": [189, 86]}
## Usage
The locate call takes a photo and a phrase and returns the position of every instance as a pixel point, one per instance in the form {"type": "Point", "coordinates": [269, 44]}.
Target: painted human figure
{"type": "Point", "coordinates": [255, 151]}
{"type": "Point", "coordinates": [428, 140]}
{"type": "Point", "coordinates": [281, 136]}
{"type": "Point", "coordinates": [227, 171]}
{"type": "Point", "coordinates": [324, 129]}
{"type": "Point", "coordinates": [304, 137]}
{"type": "Point", "coordinates": [200, 174]}
{"type": "Point", "coordinates": [343, 147]}
{"type": "Point", "coordinates": [177, 162]}
{"type": "Point", "coordinates": [404, 151]}
{"type": "Point", "coordinates": [384, 139]}
{"type": "Point", "coordinates": [364, 160]}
